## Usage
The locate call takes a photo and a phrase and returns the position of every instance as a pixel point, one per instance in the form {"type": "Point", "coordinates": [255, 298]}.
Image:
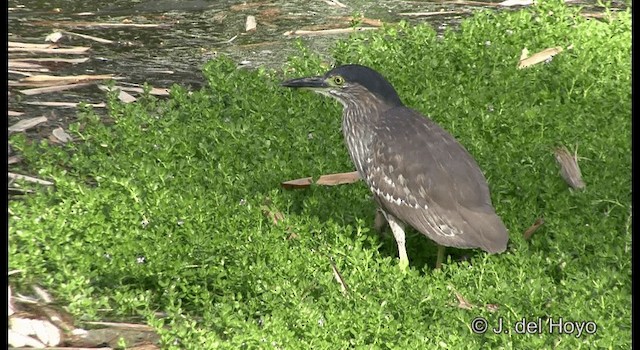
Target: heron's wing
{"type": "Point", "coordinates": [424, 177]}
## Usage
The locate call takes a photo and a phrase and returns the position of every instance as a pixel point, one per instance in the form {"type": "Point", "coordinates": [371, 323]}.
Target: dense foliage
{"type": "Point", "coordinates": [170, 208]}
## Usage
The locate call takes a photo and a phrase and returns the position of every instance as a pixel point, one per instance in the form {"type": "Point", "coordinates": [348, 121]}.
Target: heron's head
{"type": "Point", "coordinates": [352, 85]}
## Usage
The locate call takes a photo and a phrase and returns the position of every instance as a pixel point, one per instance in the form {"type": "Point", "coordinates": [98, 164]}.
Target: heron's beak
{"type": "Point", "coordinates": [309, 83]}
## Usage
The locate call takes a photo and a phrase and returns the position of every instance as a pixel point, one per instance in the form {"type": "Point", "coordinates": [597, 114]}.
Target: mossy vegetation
{"type": "Point", "coordinates": [170, 208]}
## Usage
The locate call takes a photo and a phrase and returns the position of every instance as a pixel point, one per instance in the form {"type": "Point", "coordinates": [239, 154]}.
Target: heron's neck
{"type": "Point", "coordinates": [357, 127]}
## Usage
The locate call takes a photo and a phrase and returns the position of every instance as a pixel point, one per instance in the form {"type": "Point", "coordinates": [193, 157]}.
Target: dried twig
{"type": "Point", "coordinates": [16, 44]}
{"type": "Point", "coordinates": [136, 326]}
{"type": "Point", "coordinates": [94, 38]}
{"type": "Point", "coordinates": [47, 80]}
{"type": "Point", "coordinates": [336, 274]}
{"type": "Point", "coordinates": [153, 91]}
{"type": "Point", "coordinates": [48, 89]}
{"type": "Point", "coordinates": [327, 31]}
{"type": "Point", "coordinates": [462, 302]}
{"type": "Point", "coordinates": [21, 72]}
{"type": "Point", "coordinates": [98, 24]}
{"type": "Point", "coordinates": [368, 21]}
{"type": "Point", "coordinates": [509, 3]}
{"type": "Point", "coordinates": [429, 14]}
{"type": "Point", "coordinates": [536, 225]}
{"type": "Point", "coordinates": [76, 50]}
{"type": "Point", "coordinates": [64, 104]}
{"type": "Point", "coordinates": [26, 124]}
{"type": "Point", "coordinates": [273, 214]}
{"type": "Point", "coordinates": [27, 66]}
{"type": "Point", "coordinates": [51, 59]}
{"type": "Point", "coordinates": [29, 179]}
{"type": "Point", "coordinates": [335, 3]}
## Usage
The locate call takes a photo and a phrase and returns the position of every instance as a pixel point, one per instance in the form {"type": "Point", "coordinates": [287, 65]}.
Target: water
{"type": "Point", "coordinates": [193, 32]}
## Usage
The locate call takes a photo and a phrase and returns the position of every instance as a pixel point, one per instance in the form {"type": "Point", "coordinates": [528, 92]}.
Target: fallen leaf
{"type": "Point", "coordinates": [335, 3]}
{"type": "Point", "coordinates": [53, 37]}
{"type": "Point", "coordinates": [57, 88]}
{"type": "Point", "coordinates": [15, 44]}
{"type": "Point", "coordinates": [508, 3]}
{"type": "Point", "coordinates": [338, 179]}
{"type": "Point", "coordinates": [19, 340]}
{"type": "Point", "coordinates": [273, 214]}
{"type": "Point", "coordinates": [297, 183]}
{"type": "Point", "coordinates": [61, 135]}
{"type": "Point", "coordinates": [539, 57]}
{"type": "Point", "coordinates": [27, 124]}
{"type": "Point", "coordinates": [492, 307]}
{"type": "Point", "coordinates": [126, 97]}
{"type": "Point", "coordinates": [66, 78]}
{"type": "Point", "coordinates": [569, 168]}
{"type": "Point", "coordinates": [46, 332]}
{"type": "Point", "coordinates": [250, 24]}
{"type": "Point", "coordinates": [462, 303]}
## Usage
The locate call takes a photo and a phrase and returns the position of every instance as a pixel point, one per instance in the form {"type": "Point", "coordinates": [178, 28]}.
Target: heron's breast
{"type": "Point", "coordinates": [358, 137]}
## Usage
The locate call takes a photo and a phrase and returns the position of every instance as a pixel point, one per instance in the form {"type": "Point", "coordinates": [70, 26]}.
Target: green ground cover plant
{"type": "Point", "coordinates": [169, 208]}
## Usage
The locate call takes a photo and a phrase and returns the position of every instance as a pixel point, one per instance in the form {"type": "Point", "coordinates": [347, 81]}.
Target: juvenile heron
{"type": "Point", "coordinates": [418, 173]}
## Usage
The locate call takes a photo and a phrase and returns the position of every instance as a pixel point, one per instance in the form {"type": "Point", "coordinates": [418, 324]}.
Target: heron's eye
{"type": "Point", "coordinates": [338, 80]}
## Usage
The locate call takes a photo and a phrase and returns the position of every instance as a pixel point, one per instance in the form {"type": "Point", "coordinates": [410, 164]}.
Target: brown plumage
{"type": "Point", "coordinates": [419, 174]}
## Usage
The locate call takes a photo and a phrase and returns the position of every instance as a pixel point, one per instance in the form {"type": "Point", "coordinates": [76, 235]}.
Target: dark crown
{"type": "Point", "coordinates": [370, 79]}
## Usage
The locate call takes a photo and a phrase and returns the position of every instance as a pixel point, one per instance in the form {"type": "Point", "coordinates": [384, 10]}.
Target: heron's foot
{"type": "Point", "coordinates": [404, 265]}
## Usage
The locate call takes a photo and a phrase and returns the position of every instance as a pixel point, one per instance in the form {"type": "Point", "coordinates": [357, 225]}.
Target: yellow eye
{"type": "Point", "coordinates": [338, 80]}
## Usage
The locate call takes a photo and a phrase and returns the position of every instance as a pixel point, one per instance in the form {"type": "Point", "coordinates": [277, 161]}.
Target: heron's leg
{"type": "Point", "coordinates": [380, 222]}
{"type": "Point", "coordinates": [440, 257]}
{"type": "Point", "coordinates": [397, 228]}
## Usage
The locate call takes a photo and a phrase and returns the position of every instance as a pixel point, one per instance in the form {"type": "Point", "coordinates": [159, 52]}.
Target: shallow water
{"type": "Point", "coordinates": [193, 32]}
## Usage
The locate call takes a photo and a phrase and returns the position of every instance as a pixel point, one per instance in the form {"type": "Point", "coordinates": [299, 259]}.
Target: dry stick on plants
{"type": "Point", "coordinates": [536, 225]}
{"type": "Point", "coordinates": [338, 277]}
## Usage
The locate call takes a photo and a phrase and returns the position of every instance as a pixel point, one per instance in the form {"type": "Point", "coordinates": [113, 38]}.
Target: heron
{"type": "Point", "coordinates": [418, 173]}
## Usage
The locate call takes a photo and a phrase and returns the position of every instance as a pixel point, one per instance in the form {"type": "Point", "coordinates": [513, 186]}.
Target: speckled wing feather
{"type": "Point", "coordinates": [422, 176]}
